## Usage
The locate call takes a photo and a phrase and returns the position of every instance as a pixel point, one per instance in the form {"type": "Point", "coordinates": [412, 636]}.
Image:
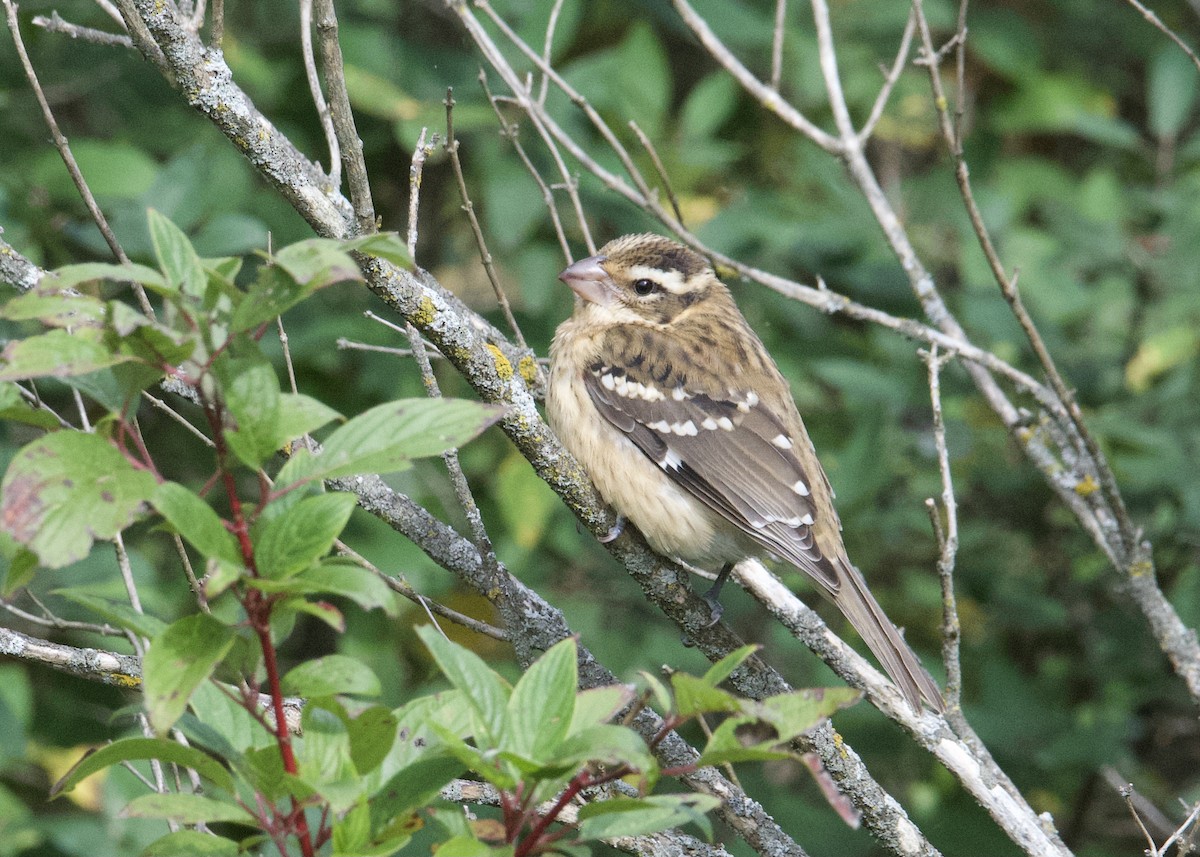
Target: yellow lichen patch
{"type": "Point", "coordinates": [1141, 569]}
{"type": "Point", "coordinates": [528, 368]}
{"type": "Point", "coordinates": [840, 743]}
{"type": "Point", "coordinates": [1087, 485]}
{"type": "Point", "coordinates": [426, 313]}
{"type": "Point", "coordinates": [121, 680]}
{"type": "Point", "coordinates": [504, 369]}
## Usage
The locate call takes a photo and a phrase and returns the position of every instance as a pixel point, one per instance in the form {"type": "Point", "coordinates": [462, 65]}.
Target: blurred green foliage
{"type": "Point", "coordinates": [1085, 157]}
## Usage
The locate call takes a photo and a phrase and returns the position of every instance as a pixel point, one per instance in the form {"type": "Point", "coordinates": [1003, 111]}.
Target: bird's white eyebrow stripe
{"type": "Point", "coordinates": [671, 281]}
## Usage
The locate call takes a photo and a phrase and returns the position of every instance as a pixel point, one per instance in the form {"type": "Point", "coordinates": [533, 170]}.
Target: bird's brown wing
{"type": "Point", "coordinates": [738, 457]}
{"type": "Point", "coordinates": [731, 452]}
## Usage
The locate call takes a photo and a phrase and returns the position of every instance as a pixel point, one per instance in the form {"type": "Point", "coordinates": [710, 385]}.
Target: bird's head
{"type": "Point", "coordinates": [643, 278]}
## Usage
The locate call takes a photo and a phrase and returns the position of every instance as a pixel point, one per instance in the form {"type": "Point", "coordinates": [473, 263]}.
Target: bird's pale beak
{"type": "Point", "coordinates": [588, 279]}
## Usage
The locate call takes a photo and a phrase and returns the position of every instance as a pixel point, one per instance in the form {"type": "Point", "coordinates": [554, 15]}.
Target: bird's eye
{"type": "Point", "coordinates": [644, 287]}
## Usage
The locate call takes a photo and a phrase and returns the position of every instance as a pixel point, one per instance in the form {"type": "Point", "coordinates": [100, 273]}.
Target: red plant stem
{"type": "Point", "coordinates": [258, 612]}
{"type": "Point", "coordinates": [580, 782]}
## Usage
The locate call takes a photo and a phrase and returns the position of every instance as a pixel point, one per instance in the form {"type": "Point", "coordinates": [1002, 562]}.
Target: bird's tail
{"type": "Point", "coordinates": [880, 635]}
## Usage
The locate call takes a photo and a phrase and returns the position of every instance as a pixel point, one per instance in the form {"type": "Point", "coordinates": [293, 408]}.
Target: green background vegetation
{"type": "Point", "coordinates": [1083, 148]}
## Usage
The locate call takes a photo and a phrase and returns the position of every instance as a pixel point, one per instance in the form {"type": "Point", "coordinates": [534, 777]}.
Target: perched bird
{"type": "Point", "coordinates": [678, 413]}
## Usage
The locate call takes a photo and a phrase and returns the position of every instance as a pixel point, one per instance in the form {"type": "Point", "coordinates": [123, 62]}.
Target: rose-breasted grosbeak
{"type": "Point", "coordinates": [670, 401]}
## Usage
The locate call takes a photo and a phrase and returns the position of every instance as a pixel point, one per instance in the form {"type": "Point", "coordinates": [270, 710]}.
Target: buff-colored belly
{"type": "Point", "coordinates": [672, 521]}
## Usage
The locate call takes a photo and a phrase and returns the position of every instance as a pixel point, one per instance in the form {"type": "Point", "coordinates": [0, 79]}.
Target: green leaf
{"type": "Point", "coordinates": [67, 489]}
{"type": "Point", "coordinates": [413, 786]}
{"type": "Point", "coordinates": [724, 668]}
{"type": "Point", "coordinates": [300, 415]}
{"type": "Point", "coordinates": [176, 257]}
{"type": "Point", "coordinates": [251, 392]}
{"type": "Point", "coordinates": [372, 734]}
{"type": "Point", "coordinates": [191, 843]}
{"type": "Point", "coordinates": [57, 354]}
{"type": "Point", "coordinates": [196, 521]}
{"type": "Point", "coordinates": [179, 659]}
{"type": "Point", "coordinates": [329, 676]}
{"type": "Point", "coordinates": [345, 578]}
{"type": "Point", "coordinates": [70, 276]}
{"type": "Point", "coordinates": [131, 749]}
{"type": "Point", "coordinates": [297, 271]}
{"type": "Point", "coordinates": [696, 696]}
{"type": "Point", "coordinates": [295, 539]}
{"type": "Point", "coordinates": [598, 705]}
{"type": "Point", "coordinates": [57, 309]}
{"type": "Point", "coordinates": [638, 816]}
{"type": "Point", "coordinates": [118, 613]}
{"type": "Point", "coordinates": [385, 438]}
{"type": "Point", "coordinates": [1172, 87]}
{"type": "Point", "coordinates": [185, 808]}
{"type": "Point", "coordinates": [487, 691]}
{"type": "Point", "coordinates": [542, 703]}
{"type": "Point", "coordinates": [383, 245]}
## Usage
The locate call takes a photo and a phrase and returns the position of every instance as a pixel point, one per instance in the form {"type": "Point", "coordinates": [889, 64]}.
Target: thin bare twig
{"type": "Point", "coordinates": [777, 44]}
{"type": "Point", "coordinates": [485, 255]}
{"type": "Point", "coordinates": [318, 97]}
{"type": "Point", "coordinates": [56, 24]}
{"type": "Point", "coordinates": [947, 538]}
{"type": "Point", "coordinates": [179, 418]}
{"type": "Point", "coordinates": [64, 150]}
{"type": "Point", "coordinates": [548, 45]}
{"type": "Point", "coordinates": [333, 74]}
{"type": "Point", "coordinates": [217, 30]}
{"type": "Point", "coordinates": [764, 94]}
{"type": "Point", "coordinates": [659, 168]}
{"type": "Point", "coordinates": [1157, 23]}
{"type": "Point", "coordinates": [889, 80]}
{"type": "Point", "coordinates": [49, 620]}
{"type": "Point", "coordinates": [511, 132]}
{"type": "Point", "coordinates": [415, 171]}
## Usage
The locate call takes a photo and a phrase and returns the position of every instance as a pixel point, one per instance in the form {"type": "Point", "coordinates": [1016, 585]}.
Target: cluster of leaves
{"type": "Point", "coordinates": [359, 778]}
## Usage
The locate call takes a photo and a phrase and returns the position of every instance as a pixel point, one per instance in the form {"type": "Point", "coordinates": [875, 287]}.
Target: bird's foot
{"type": "Point", "coordinates": [614, 531]}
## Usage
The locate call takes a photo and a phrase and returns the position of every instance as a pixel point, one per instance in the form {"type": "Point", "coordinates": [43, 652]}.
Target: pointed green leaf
{"type": "Point", "coordinates": [185, 808]}
{"type": "Point", "coordinates": [179, 659]}
{"type": "Point", "coordinates": [598, 705]}
{"type": "Point", "coordinates": [57, 309]}
{"type": "Point", "coordinates": [372, 734]}
{"type": "Point", "coordinates": [67, 489]}
{"type": "Point", "coordinates": [384, 245]}
{"type": "Point", "coordinates": [696, 696]}
{"type": "Point", "coordinates": [191, 843]}
{"type": "Point", "coordinates": [132, 749]}
{"type": "Point", "coordinates": [294, 540]}
{"type": "Point", "coordinates": [486, 690]}
{"type": "Point", "coordinates": [387, 437]}
{"type": "Point", "coordinates": [345, 578]}
{"type": "Point", "coordinates": [176, 257]}
{"type": "Point", "coordinates": [723, 668]}
{"type": "Point", "coordinates": [251, 392]}
{"type": "Point", "coordinates": [639, 816]}
{"type": "Point", "coordinates": [542, 703]}
{"type": "Point", "coordinates": [296, 272]}
{"type": "Point", "coordinates": [57, 354]}
{"type": "Point", "coordinates": [70, 276]}
{"type": "Point", "coordinates": [329, 676]}
{"type": "Point", "coordinates": [117, 613]}
{"type": "Point", "coordinates": [196, 521]}
{"type": "Point", "coordinates": [299, 415]}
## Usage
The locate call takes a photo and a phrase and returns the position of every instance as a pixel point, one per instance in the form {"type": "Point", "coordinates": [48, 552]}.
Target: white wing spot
{"type": "Point", "coordinates": [751, 398]}
{"type": "Point", "coordinates": [672, 460]}
{"type": "Point", "coordinates": [725, 423]}
{"type": "Point", "coordinates": [660, 426]}
{"type": "Point", "coordinates": [688, 428]}
{"type": "Point", "coordinates": [800, 488]}
{"type": "Point", "coordinates": [807, 520]}
{"type": "Point", "coordinates": [782, 441]}
{"type": "Point", "coordinates": [709, 423]}
{"type": "Point", "coordinates": [607, 382]}
{"type": "Point", "coordinates": [679, 394]}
